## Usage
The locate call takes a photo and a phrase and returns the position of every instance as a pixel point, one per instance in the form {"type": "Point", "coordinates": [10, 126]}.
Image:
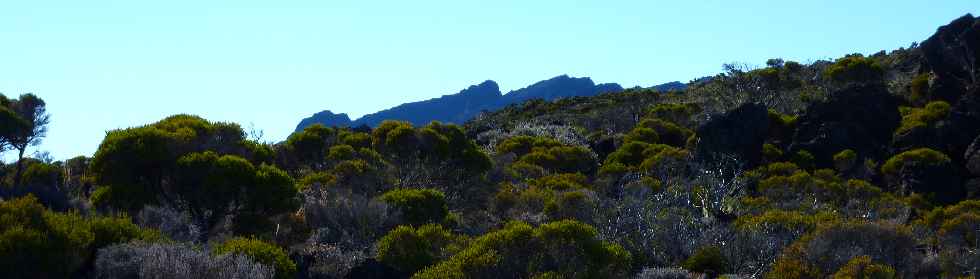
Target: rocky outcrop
{"type": "Point", "coordinates": [952, 54]}
{"type": "Point", "coordinates": [740, 133]}
{"type": "Point", "coordinates": [860, 118]}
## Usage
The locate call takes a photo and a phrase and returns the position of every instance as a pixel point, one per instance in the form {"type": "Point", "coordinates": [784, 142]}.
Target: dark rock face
{"type": "Point", "coordinates": [373, 269]}
{"type": "Point", "coordinates": [468, 103]}
{"type": "Point", "coordinates": [859, 118]}
{"type": "Point", "coordinates": [326, 118]}
{"type": "Point", "coordinates": [953, 53]}
{"type": "Point", "coordinates": [740, 132]}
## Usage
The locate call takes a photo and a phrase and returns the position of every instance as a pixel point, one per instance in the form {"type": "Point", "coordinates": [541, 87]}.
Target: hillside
{"type": "Point", "coordinates": [866, 166]}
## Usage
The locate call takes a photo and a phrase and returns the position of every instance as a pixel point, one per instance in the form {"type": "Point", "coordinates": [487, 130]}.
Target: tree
{"type": "Point", "coordinates": [32, 127]}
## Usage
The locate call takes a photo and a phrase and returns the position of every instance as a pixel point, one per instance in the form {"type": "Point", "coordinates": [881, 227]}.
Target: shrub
{"type": "Point", "coordinates": [804, 159]}
{"type": "Point", "coordinates": [418, 206]}
{"type": "Point", "coordinates": [562, 159]}
{"type": "Point", "coordinates": [641, 134]}
{"type": "Point", "coordinates": [567, 249]}
{"type": "Point", "coordinates": [828, 249]}
{"type": "Point", "coordinates": [863, 268]}
{"type": "Point", "coordinates": [348, 220]}
{"type": "Point", "coordinates": [708, 259]}
{"type": "Point", "coordinates": [913, 118]}
{"type": "Point", "coordinates": [263, 252]}
{"type": "Point", "coordinates": [409, 249]}
{"type": "Point", "coordinates": [663, 273]}
{"type": "Point", "coordinates": [922, 157]}
{"type": "Point", "coordinates": [668, 132]}
{"type": "Point", "coordinates": [329, 261]}
{"type": "Point", "coordinates": [172, 260]}
{"type": "Point", "coordinates": [854, 68]}
{"type": "Point", "coordinates": [771, 153]}
{"type": "Point", "coordinates": [845, 160]}
{"type": "Point", "coordinates": [919, 88]}
{"type": "Point", "coordinates": [36, 242]}
{"type": "Point", "coordinates": [674, 112]}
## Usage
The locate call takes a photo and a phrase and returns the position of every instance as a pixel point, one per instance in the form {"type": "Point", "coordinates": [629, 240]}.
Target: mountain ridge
{"type": "Point", "coordinates": [468, 103]}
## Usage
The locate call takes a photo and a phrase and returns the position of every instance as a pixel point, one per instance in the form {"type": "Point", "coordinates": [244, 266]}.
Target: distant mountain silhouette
{"type": "Point", "coordinates": [466, 104]}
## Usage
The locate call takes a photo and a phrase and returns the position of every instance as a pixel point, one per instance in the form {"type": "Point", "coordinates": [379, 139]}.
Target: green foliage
{"type": "Point", "coordinates": [135, 163]}
{"type": "Point", "coordinates": [854, 68]}
{"type": "Point", "coordinates": [636, 156]}
{"type": "Point", "coordinates": [38, 243]}
{"type": "Point", "coordinates": [922, 157]}
{"type": "Point", "coordinates": [522, 145]}
{"type": "Point", "coordinates": [669, 133]}
{"type": "Point", "coordinates": [913, 118]}
{"type": "Point", "coordinates": [561, 159]}
{"type": "Point", "coordinates": [804, 159]}
{"type": "Point", "coordinates": [260, 251]}
{"type": "Point", "coordinates": [568, 249]}
{"type": "Point", "coordinates": [409, 249]}
{"type": "Point", "coordinates": [310, 145]}
{"type": "Point", "coordinates": [919, 87]}
{"type": "Point", "coordinates": [418, 206]}
{"type": "Point", "coordinates": [674, 112]}
{"type": "Point", "coordinates": [771, 153]}
{"type": "Point", "coordinates": [565, 181]}
{"type": "Point", "coordinates": [394, 137]}
{"type": "Point", "coordinates": [209, 183]}
{"type": "Point", "coordinates": [707, 259]}
{"type": "Point", "coordinates": [863, 268]}
{"type": "Point", "coordinates": [785, 221]}
{"type": "Point", "coordinates": [845, 160]}
{"type": "Point", "coordinates": [829, 248]}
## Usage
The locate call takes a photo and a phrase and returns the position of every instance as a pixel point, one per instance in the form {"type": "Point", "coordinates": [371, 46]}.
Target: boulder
{"type": "Point", "coordinates": [739, 132]}
{"type": "Point", "coordinates": [860, 117]}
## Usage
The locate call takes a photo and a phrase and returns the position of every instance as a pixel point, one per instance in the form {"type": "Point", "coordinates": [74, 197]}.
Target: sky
{"type": "Point", "coordinates": [103, 65]}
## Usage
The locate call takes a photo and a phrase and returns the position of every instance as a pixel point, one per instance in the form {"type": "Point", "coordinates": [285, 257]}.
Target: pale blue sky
{"type": "Point", "coordinates": [102, 65]}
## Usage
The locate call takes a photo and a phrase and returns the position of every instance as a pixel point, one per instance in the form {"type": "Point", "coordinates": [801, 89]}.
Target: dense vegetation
{"type": "Point", "coordinates": [862, 167]}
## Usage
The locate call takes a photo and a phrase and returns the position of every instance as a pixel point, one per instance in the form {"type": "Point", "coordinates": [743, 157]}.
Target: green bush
{"type": "Point", "coordinates": [830, 247]}
{"type": "Point", "coordinates": [922, 157]}
{"type": "Point", "coordinates": [707, 259]}
{"type": "Point", "coordinates": [260, 251]}
{"type": "Point", "coordinates": [854, 68]}
{"type": "Point", "coordinates": [919, 88]}
{"type": "Point", "coordinates": [409, 250]}
{"type": "Point", "coordinates": [38, 243]}
{"type": "Point", "coordinates": [562, 159]}
{"type": "Point", "coordinates": [845, 160]}
{"type": "Point", "coordinates": [669, 133]}
{"type": "Point", "coordinates": [913, 118]}
{"type": "Point", "coordinates": [418, 206]}
{"type": "Point", "coordinates": [310, 144]}
{"type": "Point", "coordinates": [863, 268]}
{"type": "Point", "coordinates": [804, 159]}
{"type": "Point", "coordinates": [567, 249]}
{"type": "Point", "coordinates": [674, 112]}
{"type": "Point", "coordinates": [521, 145]}
{"type": "Point", "coordinates": [771, 153]}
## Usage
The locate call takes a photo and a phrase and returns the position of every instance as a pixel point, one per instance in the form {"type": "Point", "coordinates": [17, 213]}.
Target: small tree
{"type": "Point", "coordinates": [33, 126]}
